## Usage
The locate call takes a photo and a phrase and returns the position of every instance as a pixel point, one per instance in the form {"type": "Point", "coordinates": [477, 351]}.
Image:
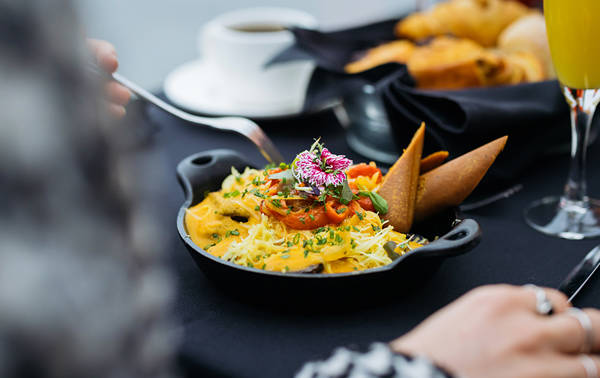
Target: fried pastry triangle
{"type": "Point", "coordinates": [449, 184]}
{"type": "Point", "coordinates": [433, 161]}
{"type": "Point", "coordinates": [399, 186]}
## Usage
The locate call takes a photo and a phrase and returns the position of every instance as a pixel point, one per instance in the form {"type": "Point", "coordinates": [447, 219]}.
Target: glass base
{"type": "Point", "coordinates": [557, 216]}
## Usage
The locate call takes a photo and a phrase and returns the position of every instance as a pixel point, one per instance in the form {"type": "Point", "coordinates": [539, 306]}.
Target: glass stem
{"type": "Point", "coordinates": [583, 103]}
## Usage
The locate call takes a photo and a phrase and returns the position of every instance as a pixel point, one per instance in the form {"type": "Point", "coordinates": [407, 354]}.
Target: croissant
{"type": "Point", "coordinates": [396, 51]}
{"type": "Point", "coordinates": [451, 63]}
{"type": "Point", "coordinates": [529, 34]}
{"type": "Point", "coordinates": [519, 67]}
{"type": "Point", "coordinates": [454, 63]}
{"type": "Point", "coordinates": [479, 20]}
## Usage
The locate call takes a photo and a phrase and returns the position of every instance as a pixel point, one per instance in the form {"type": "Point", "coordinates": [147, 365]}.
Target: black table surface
{"type": "Point", "coordinates": [223, 336]}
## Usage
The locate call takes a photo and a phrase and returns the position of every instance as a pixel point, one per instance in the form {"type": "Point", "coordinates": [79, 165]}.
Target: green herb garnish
{"type": "Point", "coordinates": [235, 193]}
{"type": "Point", "coordinates": [379, 203]}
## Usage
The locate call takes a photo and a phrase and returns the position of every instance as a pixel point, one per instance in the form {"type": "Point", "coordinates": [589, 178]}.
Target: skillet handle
{"type": "Point", "coordinates": [205, 171]}
{"type": "Point", "coordinates": [462, 238]}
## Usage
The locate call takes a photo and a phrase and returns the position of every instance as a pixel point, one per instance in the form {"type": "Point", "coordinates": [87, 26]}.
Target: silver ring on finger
{"type": "Point", "coordinates": [591, 369]}
{"type": "Point", "coordinates": [543, 306]}
{"type": "Point", "coordinates": [586, 323]}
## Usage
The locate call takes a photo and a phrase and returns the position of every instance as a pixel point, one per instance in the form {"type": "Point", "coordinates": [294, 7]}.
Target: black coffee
{"type": "Point", "coordinates": [258, 28]}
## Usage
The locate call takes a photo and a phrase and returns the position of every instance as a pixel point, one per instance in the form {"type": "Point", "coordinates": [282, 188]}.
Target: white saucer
{"type": "Point", "coordinates": [194, 87]}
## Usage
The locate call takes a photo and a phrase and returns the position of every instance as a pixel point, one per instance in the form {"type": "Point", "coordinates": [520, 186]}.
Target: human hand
{"type": "Point", "coordinates": [117, 95]}
{"type": "Point", "coordinates": [495, 331]}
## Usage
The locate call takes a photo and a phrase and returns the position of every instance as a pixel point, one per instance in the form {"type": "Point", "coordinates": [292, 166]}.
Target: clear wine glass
{"type": "Point", "coordinates": [572, 31]}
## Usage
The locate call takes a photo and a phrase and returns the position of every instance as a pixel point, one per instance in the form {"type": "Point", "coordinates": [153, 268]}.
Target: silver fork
{"type": "Point", "coordinates": [240, 125]}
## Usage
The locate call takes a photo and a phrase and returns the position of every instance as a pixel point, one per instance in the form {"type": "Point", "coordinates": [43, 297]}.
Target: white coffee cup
{"type": "Point", "coordinates": [235, 47]}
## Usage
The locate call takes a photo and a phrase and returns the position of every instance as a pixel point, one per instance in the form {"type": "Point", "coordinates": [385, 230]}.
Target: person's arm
{"type": "Point", "coordinates": [116, 95]}
{"type": "Point", "coordinates": [492, 331]}
{"type": "Point", "coordinates": [495, 331]}
{"type": "Point", "coordinates": [379, 361]}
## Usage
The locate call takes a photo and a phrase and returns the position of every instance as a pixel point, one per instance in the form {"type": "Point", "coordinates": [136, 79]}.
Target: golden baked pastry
{"type": "Point", "coordinates": [521, 67]}
{"type": "Point", "coordinates": [493, 42]}
{"type": "Point", "coordinates": [455, 63]}
{"type": "Point", "coordinates": [451, 63]}
{"type": "Point", "coordinates": [479, 20]}
{"type": "Point", "coordinates": [528, 34]}
{"type": "Point", "coordinates": [396, 51]}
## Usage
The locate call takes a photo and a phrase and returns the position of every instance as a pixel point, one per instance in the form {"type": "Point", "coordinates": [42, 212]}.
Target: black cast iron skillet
{"type": "Point", "coordinates": [206, 171]}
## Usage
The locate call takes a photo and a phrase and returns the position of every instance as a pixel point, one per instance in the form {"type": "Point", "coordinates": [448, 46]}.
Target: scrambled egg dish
{"type": "Point", "coordinates": [319, 214]}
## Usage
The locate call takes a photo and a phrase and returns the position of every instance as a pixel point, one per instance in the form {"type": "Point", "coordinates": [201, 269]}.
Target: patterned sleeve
{"type": "Point", "coordinates": [379, 361]}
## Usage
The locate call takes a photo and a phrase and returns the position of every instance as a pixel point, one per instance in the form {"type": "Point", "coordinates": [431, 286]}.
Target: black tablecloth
{"type": "Point", "coordinates": [225, 337]}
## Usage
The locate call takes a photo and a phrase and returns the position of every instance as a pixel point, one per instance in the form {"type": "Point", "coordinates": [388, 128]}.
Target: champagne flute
{"type": "Point", "coordinates": [572, 32]}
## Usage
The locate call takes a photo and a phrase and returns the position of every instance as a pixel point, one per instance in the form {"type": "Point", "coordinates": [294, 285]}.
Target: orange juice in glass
{"type": "Point", "coordinates": [573, 31]}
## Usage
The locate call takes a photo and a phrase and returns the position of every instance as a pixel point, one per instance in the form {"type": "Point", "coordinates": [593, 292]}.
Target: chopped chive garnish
{"type": "Point", "coordinates": [232, 232]}
{"type": "Point", "coordinates": [235, 193]}
{"type": "Point", "coordinates": [259, 194]}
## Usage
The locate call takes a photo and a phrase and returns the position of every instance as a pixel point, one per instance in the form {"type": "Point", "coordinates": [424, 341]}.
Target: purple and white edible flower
{"type": "Point", "coordinates": [320, 168]}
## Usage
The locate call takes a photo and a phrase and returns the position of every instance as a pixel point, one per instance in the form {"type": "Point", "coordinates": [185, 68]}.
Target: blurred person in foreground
{"type": "Point", "coordinates": [83, 291]}
{"type": "Point", "coordinates": [116, 96]}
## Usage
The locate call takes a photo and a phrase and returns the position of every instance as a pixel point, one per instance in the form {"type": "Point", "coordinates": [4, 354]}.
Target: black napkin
{"type": "Point", "coordinates": [534, 116]}
{"type": "Point", "coordinates": [332, 50]}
